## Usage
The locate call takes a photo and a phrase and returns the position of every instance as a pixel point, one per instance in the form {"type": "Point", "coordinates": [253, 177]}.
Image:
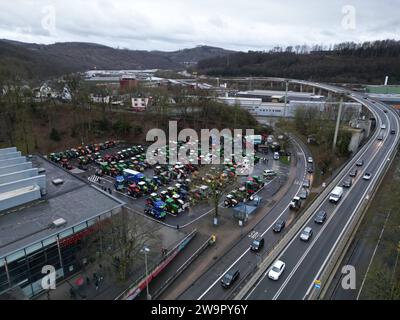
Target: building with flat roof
{"type": "Point", "coordinates": [47, 228]}
{"type": "Point", "coordinates": [279, 96]}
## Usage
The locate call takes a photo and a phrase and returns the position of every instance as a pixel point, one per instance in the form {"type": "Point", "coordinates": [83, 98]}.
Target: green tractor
{"type": "Point", "coordinates": [171, 206]}
{"type": "Point", "coordinates": [259, 180]}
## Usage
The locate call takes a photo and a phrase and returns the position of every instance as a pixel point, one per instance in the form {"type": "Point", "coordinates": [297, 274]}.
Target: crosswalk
{"type": "Point", "coordinates": [93, 178]}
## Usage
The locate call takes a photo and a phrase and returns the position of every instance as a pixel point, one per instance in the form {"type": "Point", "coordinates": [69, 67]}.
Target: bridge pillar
{"type": "Point", "coordinates": [337, 123]}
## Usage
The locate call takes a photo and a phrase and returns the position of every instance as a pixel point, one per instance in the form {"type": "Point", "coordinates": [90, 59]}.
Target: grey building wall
{"type": "Point", "coordinates": [8, 150]}
{"type": "Point", "coordinates": [38, 180]}
{"type": "Point", "coordinates": [10, 155]}
{"type": "Point", "coordinates": [20, 198]}
{"type": "Point", "coordinates": [15, 168]}
{"type": "Point", "coordinates": [15, 176]}
{"type": "Point", "coordinates": [10, 162]}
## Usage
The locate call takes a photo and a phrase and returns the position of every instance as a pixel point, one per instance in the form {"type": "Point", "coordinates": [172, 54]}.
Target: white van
{"type": "Point", "coordinates": [336, 194]}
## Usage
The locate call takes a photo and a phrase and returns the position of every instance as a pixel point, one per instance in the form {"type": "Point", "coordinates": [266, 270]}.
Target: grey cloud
{"type": "Point", "coordinates": [174, 24]}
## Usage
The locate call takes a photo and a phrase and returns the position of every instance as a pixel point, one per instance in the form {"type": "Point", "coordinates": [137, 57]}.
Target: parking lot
{"type": "Point", "coordinates": [90, 172]}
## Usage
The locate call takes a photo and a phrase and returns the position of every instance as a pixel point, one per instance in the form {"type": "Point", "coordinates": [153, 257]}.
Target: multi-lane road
{"type": "Point", "coordinates": [208, 286]}
{"type": "Point", "coordinates": [306, 260]}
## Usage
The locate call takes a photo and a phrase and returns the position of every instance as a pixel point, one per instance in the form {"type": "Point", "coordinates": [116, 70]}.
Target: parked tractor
{"type": "Point", "coordinates": [134, 190]}
{"type": "Point", "coordinates": [156, 209]}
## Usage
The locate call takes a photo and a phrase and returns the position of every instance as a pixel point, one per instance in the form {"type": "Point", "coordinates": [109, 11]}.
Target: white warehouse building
{"type": "Point", "coordinates": [256, 107]}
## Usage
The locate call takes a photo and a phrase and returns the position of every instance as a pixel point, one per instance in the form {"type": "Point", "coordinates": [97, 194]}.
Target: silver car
{"type": "Point", "coordinates": [306, 234]}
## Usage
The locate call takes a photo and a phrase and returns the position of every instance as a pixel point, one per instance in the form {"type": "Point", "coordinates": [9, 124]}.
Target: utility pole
{"type": "Point", "coordinates": [337, 123]}
{"type": "Point", "coordinates": [286, 94]}
{"type": "Point", "coordinates": [146, 250]}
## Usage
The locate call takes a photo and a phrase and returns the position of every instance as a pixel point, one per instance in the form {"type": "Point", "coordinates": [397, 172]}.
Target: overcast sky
{"type": "Point", "coordinates": [176, 24]}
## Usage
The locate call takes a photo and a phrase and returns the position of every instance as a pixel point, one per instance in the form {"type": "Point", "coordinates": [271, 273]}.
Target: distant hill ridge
{"type": "Point", "coordinates": [38, 61]}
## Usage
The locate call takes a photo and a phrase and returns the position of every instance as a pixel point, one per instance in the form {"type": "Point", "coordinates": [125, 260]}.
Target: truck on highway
{"type": "Point", "coordinates": [336, 194]}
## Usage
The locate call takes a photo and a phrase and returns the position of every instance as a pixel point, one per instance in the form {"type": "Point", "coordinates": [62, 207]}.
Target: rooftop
{"type": "Point", "coordinates": [74, 200]}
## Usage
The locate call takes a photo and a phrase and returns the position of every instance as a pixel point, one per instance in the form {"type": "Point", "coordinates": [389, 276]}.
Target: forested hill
{"type": "Point", "coordinates": [368, 62]}
{"type": "Point", "coordinates": [38, 61]}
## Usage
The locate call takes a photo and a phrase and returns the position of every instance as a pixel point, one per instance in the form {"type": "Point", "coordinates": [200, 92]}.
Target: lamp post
{"type": "Point", "coordinates": [146, 250]}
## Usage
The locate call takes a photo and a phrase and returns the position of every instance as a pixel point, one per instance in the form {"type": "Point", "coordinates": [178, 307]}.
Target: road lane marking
{"type": "Point", "coordinates": [367, 148]}
{"type": "Point", "coordinates": [248, 249]}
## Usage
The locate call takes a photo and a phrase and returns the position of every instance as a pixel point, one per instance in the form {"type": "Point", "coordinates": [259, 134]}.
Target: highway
{"type": "Point", "coordinates": [208, 286]}
{"type": "Point", "coordinates": [306, 260]}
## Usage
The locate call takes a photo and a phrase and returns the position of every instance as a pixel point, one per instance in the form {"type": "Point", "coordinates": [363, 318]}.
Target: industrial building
{"type": "Point", "coordinates": [279, 96]}
{"type": "Point", "coordinates": [45, 212]}
{"type": "Point", "coordinates": [271, 105]}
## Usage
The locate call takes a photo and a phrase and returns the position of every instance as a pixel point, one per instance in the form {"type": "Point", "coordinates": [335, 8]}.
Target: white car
{"type": "Point", "coordinates": [383, 127]}
{"type": "Point", "coordinates": [269, 173]}
{"type": "Point", "coordinates": [306, 234]}
{"type": "Point", "coordinates": [367, 176]}
{"type": "Point", "coordinates": [310, 160]}
{"type": "Point", "coordinates": [276, 270]}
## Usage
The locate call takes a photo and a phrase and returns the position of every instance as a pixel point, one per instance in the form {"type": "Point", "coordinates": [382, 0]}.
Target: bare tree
{"type": "Point", "coordinates": [118, 241]}
{"type": "Point", "coordinates": [218, 182]}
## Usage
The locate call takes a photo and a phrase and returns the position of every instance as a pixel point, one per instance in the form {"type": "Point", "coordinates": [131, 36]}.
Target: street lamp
{"type": "Point", "coordinates": [146, 250]}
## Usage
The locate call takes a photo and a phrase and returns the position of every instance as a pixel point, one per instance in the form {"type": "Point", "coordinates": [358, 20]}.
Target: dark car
{"type": "Point", "coordinates": [279, 225]}
{"type": "Point", "coordinates": [360, 163]}
{"type": "Point", "coordinates": [257, 244]}
{"type": "Point", "coordinates": [306, 183]}
{"type": "Point", "coordinates": [320, 217]}
{"type": "Point", "coordinates": [393, 131]}
{"type": "Point", "coordinates": [310, 168]}
{"type": "Point", "coordinates": [353, 173]}
{"type": "Point", "coordinates": [347, 183]}
{"type": "Point", "coordinates": [303, 194]}
{"type": "Point", "coordinates": [229, 278]}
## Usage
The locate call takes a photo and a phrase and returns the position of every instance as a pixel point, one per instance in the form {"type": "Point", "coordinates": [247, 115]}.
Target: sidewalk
{"type": "Point", "coordinates": [109, 287]}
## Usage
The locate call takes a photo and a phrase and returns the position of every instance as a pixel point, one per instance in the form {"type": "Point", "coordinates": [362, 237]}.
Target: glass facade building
{"type": "Point", "coordinates": [23, 268]}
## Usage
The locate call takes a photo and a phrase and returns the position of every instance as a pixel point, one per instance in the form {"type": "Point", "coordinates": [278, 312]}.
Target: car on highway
{"type": "Point", "coordinates": [276, 270]}
{"type": "Point", "coordinates": [276, 155]}
{"type": "Point", "coordinates": [347, 183]}
{"type": "Point", "coordinates": [310, 168]}
{"type": "Point", "coordinates": [303, 194]}
{"type": "Point", "coordinates": [385, 111]}
{"type": "Point", "coordinates": [383, 126]}
{"type": "Point", "coordinates": [230, 277]}
{"type": "Point", "coordinates": [257, 244]}
{"type": "Point", "coordinates": [380, 137]}
{"type": "Point", "coordinates": [353, 173]}
{"type": "Point", "coordinates": [306, 234]}
{"type": "Point", "coordinates": [310, 160]}
{"type": "Point", "coordinates": [306, 183]}
{"type": "Point", "coordinates": [393, 131]}
{"type": "Point", "coordinates": [360, 163]}
{"type": "Point", "coordinates": [367, 176]}
{"type": "Point", "coordinates": [320, 217]}
{"type": "Point", "coordinates": [279, 225]}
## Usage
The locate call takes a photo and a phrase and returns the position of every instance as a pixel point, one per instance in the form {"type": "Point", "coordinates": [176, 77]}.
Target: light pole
{"type": "Point", "coordinates": [146, 250]}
